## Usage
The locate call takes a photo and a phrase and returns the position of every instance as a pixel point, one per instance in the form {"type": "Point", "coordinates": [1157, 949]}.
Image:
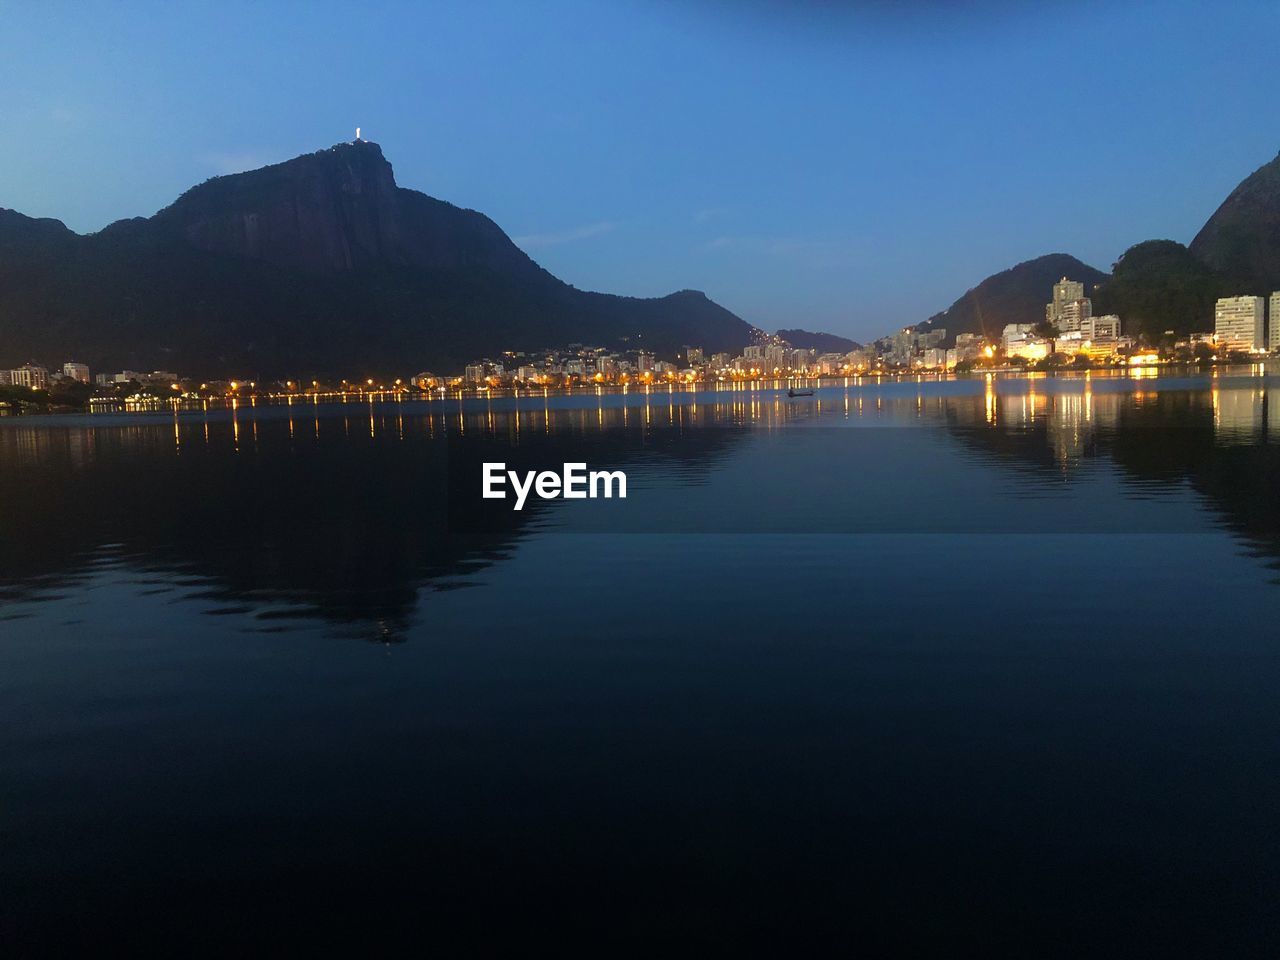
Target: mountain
{"type": "Point", "coordinates": [1241, 240]}
{"type": "Point", "coordinates": [1159, 286]}
{"type": "Point", "coordinates": [1016, 295]}
{"type": "Point", "coordinates": [321, 265]}
{"type": "Point", "coordinates": [822, 342]}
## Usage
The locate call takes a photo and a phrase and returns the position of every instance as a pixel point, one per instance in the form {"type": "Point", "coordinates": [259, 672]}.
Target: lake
{"type": "Point", "coordinates": [974, 666]}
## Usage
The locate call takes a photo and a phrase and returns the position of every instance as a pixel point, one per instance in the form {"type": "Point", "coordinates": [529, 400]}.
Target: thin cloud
{"type": "Point", "coordinates": [223, 163]}
{"type": "Point", "coordinates": [819, 253]}
{"type": "Point", "coordinates": [533, 240]}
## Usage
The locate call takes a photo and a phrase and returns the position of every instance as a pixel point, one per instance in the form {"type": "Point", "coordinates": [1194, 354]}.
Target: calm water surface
{"type": "Point", "coordinates": [980, 666]}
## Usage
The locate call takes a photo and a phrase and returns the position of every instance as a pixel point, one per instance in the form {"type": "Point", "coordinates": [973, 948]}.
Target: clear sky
{"type": "Point", "coordinates": [840, 166]}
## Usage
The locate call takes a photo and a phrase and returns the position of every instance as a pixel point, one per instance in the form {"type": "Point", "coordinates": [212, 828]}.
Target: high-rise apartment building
{"type": "Point", "coordinates": [777, 356]}
{"type": "Point", "coordinates": [1238, 323]}
{"type": "Point", "coordinates": [1273, 321]}
{"type": "Point", "coordinates": [1069, 307]}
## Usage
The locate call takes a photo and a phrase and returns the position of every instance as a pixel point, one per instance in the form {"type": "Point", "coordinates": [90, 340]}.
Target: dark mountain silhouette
{"type": "Point", "coordinates": [319, 265]}
{"type": "Point", "coordinates": [1241, 241]}
{"type": "Point", "coordinates": [1016, 295]}
{"type": "Point", "coordinates": [1159, 286]}
{"type": "Point", "coordinates": [822, 342]}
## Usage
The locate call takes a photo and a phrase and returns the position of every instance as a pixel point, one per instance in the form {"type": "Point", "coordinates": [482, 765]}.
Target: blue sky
{"type": "Point", "coordinates": [849, 167]}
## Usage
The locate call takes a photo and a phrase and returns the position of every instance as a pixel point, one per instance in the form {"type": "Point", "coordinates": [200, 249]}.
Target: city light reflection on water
{"type": "Point", "coordinates": [257, 655]}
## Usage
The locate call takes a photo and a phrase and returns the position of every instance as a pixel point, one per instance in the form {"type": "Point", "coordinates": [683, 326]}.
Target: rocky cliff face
{"type": "Point", "coordinates": [1241, 240]}
{"type": "Point", "coordinates": [330, 210]}
{"type": "Point", "coordinates": [336, 210]}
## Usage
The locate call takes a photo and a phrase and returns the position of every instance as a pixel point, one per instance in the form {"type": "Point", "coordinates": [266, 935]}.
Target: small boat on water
{"type": "Point", "coordinates": [793, 392]}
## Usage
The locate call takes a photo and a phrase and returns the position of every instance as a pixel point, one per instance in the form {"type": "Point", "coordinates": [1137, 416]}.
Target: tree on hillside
{"type": "Point", "coordinates": [1045, 330]}
{"type": "Point", "coordinates": [1158, 286]}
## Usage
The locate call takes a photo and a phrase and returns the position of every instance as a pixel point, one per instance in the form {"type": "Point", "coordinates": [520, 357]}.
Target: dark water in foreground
{"type": "Point", "coordinates": [985, 668]}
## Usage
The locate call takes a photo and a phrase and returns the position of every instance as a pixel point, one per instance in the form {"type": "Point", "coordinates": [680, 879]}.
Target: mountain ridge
{"type": "Point", "coordinates": [1241, 239]}
{"type": "Point", "coordinates": [318, 265]}
{"type": "Point", "coordinates": [1014, 295]}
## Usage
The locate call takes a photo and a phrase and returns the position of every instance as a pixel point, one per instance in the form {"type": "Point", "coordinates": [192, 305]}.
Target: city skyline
{"type": "Point", "coordinates": [851, 197]}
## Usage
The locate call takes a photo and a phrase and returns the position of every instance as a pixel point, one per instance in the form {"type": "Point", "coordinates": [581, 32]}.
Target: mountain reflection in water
{"type": "Point", "coordinates": [345, 515]}
{"type": "Point", "coordinates": [1029, 706]}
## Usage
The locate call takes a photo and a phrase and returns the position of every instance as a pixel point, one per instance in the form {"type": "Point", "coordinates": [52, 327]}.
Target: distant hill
{"type": "Point", "coordinates": [319, 265]}
{"type": "Point", "coordinates": [822, 342]}
{"type": "Point", "coordinates": [1159, 286]}
{"type": "Point", "coordinates": [1241, 241]}
{"type": "Point", "coordinates": [1016, 295]}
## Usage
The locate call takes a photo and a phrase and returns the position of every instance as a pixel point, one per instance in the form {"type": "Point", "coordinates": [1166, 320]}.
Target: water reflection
{"type": "Point", "coordinates": [339, 517]}
{"type": "Point", "coordinates": [348, 516]}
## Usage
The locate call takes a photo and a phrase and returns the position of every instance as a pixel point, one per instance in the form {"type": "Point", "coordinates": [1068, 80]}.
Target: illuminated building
{"type": "Point", "coordinates": [1238, 323]}
{"type": "Point", "coordinates": [76, 371]}
{"type": "Point", "coordinates": [30, 375]}
{"type": "Point", "coordinates": [1069, 307]}
{"type": "Point", "coordinates": [1273, 319]}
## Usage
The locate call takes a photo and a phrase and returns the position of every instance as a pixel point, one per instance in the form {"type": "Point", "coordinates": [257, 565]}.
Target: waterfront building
{"type": "Point", "coordinates": [777, 356]}
{"type": "Point", "coordinates": [644, 362]}
{"type": "Point", "coordinates": [1071, 343]}
{"type": "Point", "coordinates": [754, 353]}
{"type": "Point", "coordinates": [1273, 322]}
{"type": "Point", "coordinates": [1015, 331]}
{"type": "Point", "coordinates": [694, 356]}
{"type": "Point", "coordinates": [1238, 323]}
{"type": "Point", "coordinates": [931, 338]}
{"type": "Point", "coordinates": [1029, 348]}
{"type": "Point", "coordinates": [30, 375]}
{"type": "Point", "coordinates": [904, 345]}
{"type": "Point", "coordinates": [935, 357]}
{"type": "Point", "coordinates": [860, 359]}
{"type": "Point", "coordinates": [124, 376]}
{"type": "Point", "coordinates": [1106, 327]}
{"type": "Point", "coordinates": [968, 347]}
{"type": "Point", "coordinates": [1019, 341]}
{"type": "Point", "coordinates": [720, 360]}
{"type": "Point", "coordinates": [474, 373]}
{"type": "Point", "coordinates": [830, 363]}
{"type": "Point", "coordinates": [526, 372]}
{"type": "Point", "coordinates": [76, 371]}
